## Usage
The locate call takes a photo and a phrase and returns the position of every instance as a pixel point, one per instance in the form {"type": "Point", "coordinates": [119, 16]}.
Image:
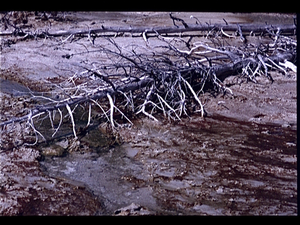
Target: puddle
{"type": "Point", "coordinates": [13, 88]}
{"type": "Point", "coordinates": [108, 176]}
{"type": "Point", "coordinates": [211, 166]}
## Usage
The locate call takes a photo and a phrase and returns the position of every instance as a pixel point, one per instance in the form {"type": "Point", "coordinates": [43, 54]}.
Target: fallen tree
{"type": "Point", "coordinates": [168, 79]}
{"type": "Point", "coordinates": [241, 29]}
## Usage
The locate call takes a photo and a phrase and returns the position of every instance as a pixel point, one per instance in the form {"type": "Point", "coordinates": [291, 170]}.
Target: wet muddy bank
{"type": "Point", "coordinates": [211, 166]}
{"type": "Point", "coordinates": [25, 190]}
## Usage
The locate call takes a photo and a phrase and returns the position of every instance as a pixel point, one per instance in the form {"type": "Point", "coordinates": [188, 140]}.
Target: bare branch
{"type": "Point", "coordinates": [111, 110]}
{"type": "Point", "coordinates": [195, 96]}
{"type": "Point", "coordinates": [72, 120]}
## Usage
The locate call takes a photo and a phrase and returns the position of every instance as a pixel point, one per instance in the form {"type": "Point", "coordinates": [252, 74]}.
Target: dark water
{"type": "Point", "coordinates": [13, 88]}
{"type": "Point", "coordinates": [211, 166]}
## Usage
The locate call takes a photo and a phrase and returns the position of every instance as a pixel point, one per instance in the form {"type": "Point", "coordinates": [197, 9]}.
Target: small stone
{"type": "Point", "coordinates": [286, 125]}
{"type": "Point", "coordinates": [54, 150]}
{"type": "Point", "coordinates": [64, 143]}
{"type": "Point", "coordinates": [132, 210]}
{"type": "Point", "coordinates": [290, 144]}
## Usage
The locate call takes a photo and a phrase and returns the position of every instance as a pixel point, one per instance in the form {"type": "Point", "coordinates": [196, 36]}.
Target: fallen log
{"type": "Point", "coordinates": [246, 28]}
{"type": "Point", "coordinates": [286, 29]}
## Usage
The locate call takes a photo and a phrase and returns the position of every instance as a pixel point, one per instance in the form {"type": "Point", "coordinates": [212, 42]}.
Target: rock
{"type": "Point", "coordinates": [64, 143]}
{"type": "Point", "coordinates": [132, 210]}
{"type": "Point", "coordinates": [53, 150]}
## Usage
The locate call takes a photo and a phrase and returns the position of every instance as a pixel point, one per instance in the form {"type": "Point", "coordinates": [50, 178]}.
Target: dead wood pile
{"type": "Point", "coordinates": [167, 78]}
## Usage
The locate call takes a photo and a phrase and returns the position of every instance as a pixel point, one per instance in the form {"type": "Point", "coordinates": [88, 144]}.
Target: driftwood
{"type": "Point", "coordinates": [170, 80]}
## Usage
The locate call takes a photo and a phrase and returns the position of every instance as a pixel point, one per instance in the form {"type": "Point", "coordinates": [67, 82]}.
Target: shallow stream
{"type": "Point", "coordinates": [211, 166]}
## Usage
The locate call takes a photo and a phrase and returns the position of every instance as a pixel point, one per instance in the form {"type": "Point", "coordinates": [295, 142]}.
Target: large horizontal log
{"type": "Point", "coordinates": [287, 29]}
{"type": "Point", "coordinates": [247, 28]}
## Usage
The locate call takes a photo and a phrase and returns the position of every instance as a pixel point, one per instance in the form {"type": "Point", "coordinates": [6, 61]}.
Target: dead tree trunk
{"type": "Point", "coordinates": [285, 29]}
{"type": "Point", "coordinates": [245, 28]}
